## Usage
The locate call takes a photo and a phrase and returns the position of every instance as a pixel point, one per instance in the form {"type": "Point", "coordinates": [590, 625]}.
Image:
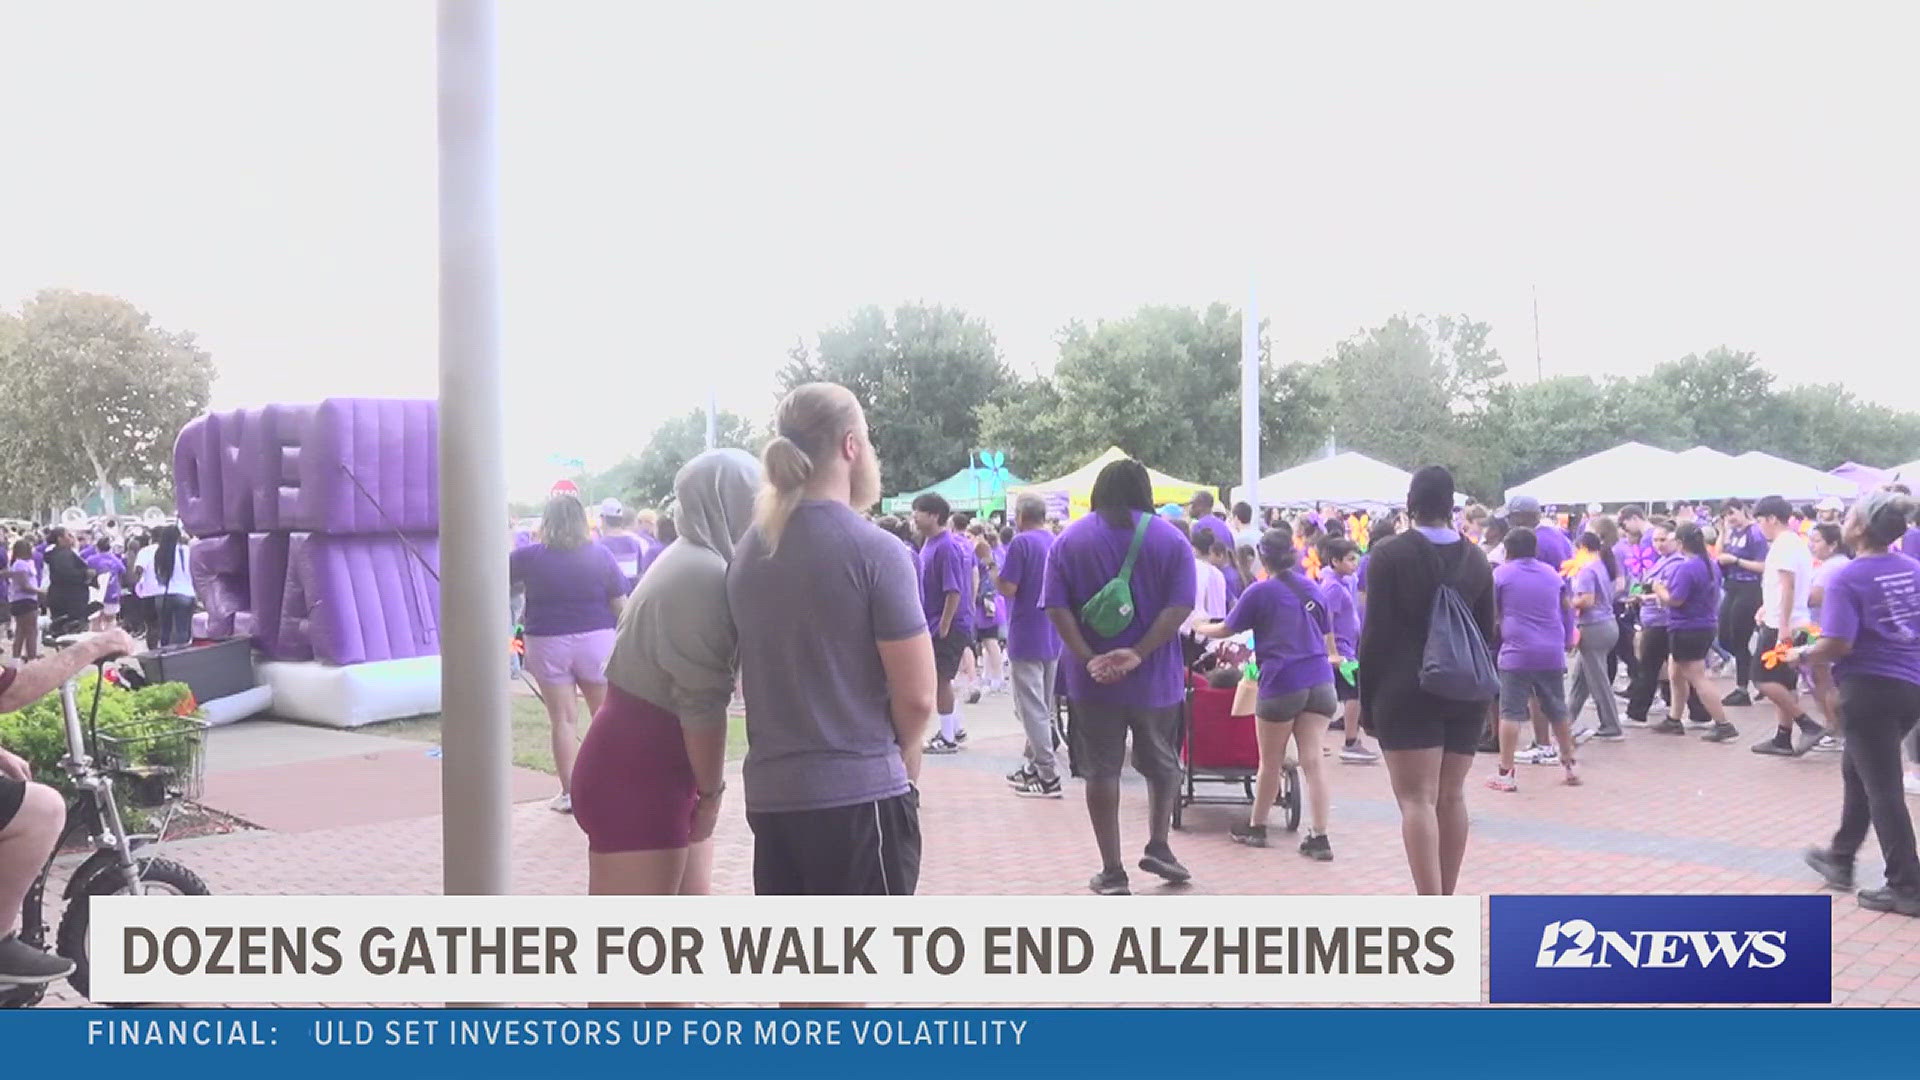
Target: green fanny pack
{"type": "Point", "coordinates": [1110, 611]}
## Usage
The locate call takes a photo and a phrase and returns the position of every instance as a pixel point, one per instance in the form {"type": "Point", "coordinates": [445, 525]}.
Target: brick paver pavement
{"type": "Point", "coordinates": [1658, 814]}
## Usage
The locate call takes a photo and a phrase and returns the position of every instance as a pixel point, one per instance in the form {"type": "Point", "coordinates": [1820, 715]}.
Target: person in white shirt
{"type": "Point", "coordinates": [1786, 581]}
{"type": "Point", "coordinates": [1210, 585]}
{"type": "Point", "coordinates": [161, 578]}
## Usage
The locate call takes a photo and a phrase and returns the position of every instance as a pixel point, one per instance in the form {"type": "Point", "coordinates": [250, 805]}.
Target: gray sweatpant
{"type": "Point", "coordinates": [1597, 639]}
{"type": "Point", "coordinates": [1033, 703]}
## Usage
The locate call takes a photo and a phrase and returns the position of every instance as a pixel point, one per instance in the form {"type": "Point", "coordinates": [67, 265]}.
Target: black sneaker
{"type": "Point", "coordinates": [1317, 848]}
{"type": "Point", "coordinates": [1250, 835]}
{"type": "Point", "coordinates": [1165, 865]}
{"type": "Point", "coordinates": [1036, 788]}
{"type": "Point", "coordinates": [939, 745]}
{"type": "Point", "coordinates": [973, 696]}
{"type": "Point", "coordinates": [961, 735]}
{"type": "Point", "coordinates": [1839, 874]}
{"type": "Point", "coordinates": [1610, 734]}
{"type": "Point", "coordinates": [1737, 700]}
{"type": "Point", "coordinates": [1018, 778]}
{"type": "Point", "coordinates": [1669, 726]}
{"type": "Point", "coordinates": [1722, 732]}
{"type": "Point", "coordinates": [23, 965]}
{"type": "Point", "coordinates": [1807, 734]}
{"type": "Point", "coordinates": [1887, 900]}
{"type": "Point", "coordinates": [1110, 883]}
{"type": "Point", "coordinates": [1779, 744]}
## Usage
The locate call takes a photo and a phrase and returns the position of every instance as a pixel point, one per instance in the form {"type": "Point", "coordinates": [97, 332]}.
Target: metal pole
{"type": "Point", "coordinates": [1250, 405]}
{"type": "Point", "coordinates": [1539, 365]}
{"type": "Point", "coordinates": [476, 833]}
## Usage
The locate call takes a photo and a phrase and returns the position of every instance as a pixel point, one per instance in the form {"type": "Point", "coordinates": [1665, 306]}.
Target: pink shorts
{"type": "Point", "coordinates": [633, 787]}
{"type": "Point", "coordinates": [570, 658]}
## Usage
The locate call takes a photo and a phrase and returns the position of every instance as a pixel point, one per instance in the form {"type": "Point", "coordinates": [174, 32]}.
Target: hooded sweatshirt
{"type": "Point", "coordinates": [676, 645]}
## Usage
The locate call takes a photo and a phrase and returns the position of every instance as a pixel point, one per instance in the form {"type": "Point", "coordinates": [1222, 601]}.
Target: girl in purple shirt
{"type": "Point", "coordinates": [574, 592]}
{"type": "Point", "coordinates": [1691, 595]}
{"type": "Point", "coordinates": [1294, 642]}
{"type": "Point", "coordinates": [1871, 635]}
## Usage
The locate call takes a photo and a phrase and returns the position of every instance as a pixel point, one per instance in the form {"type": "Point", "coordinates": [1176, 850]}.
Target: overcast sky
{"type": "Point", "coordinates": [688, 188]}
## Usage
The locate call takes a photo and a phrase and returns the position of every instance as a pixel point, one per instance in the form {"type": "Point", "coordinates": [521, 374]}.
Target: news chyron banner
{"type": "Point", "coordinates": [764, 950]}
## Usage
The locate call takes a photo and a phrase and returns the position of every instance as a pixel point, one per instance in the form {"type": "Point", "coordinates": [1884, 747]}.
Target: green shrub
{"type": "Point", "coordinates": [37, 732]}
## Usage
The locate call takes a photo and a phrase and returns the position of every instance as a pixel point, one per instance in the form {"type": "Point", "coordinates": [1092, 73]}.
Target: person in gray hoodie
{"type": "Point", "coordinates": [648, 784]}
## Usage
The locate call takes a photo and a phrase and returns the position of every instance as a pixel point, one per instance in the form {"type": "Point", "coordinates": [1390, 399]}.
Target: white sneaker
{"type": "Point", "coordinates": [1538, 755]}
{"type": "Point", "coordinates": [1912, 784]}
{"type": "Point", "coordinates": [561, 803]}
{"type": "Point", "coordinates": [1829, 744]}
{"type": "Point", "coordinates": [1584, 736]}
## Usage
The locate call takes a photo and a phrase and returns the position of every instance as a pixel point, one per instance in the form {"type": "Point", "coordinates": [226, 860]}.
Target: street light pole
{"type": "Point", "coordinates": [476, 829]}
{"type": "Point", "coordinates": [1250, 405]}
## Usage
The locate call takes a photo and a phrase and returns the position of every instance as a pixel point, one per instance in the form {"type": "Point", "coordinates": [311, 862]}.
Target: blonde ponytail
{"type": "Point", "coordinates": [809, 423]}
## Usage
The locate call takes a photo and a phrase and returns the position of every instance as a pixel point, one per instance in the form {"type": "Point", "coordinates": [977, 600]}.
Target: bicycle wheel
{"type": "Point", "coordinates": [161, 877]}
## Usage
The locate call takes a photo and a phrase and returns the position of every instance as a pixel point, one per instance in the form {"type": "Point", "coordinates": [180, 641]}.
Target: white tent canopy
{"type": "Point", "coordinates": [1905, 474]}
{"type": "Point", "coordinates": [1763, 474]}
{"type": "Point", "coordinates": [1631, 472]}
{"type": "Point", "coordinates": [1706, 473]}
{"type": "Point", "coordinates": [1347, 479]}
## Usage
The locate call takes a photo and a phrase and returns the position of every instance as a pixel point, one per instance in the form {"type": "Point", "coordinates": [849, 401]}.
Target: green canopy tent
{"type": "Point", "coordinates": [971, 489]}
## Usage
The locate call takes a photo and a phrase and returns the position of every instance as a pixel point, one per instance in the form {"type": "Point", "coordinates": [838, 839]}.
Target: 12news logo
{"type": "Point", "coordinates": [1660, 949]}
{"type": "Point", "coordinates": [1577, 943]}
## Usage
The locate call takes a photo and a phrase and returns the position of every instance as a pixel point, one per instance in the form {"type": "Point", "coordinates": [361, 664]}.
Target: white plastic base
{"type": "Point", "coordinates": [356, 694]}
{"type": "Point", "coordinates": [238, 706]}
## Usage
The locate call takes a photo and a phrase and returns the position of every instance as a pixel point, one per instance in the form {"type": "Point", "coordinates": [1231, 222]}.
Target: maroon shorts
{"type": "Point", "coordinates": [633, 787]}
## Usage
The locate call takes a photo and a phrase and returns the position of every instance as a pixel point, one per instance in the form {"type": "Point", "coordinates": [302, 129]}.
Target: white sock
{"type": "Point", "coordinates": [949, 725]}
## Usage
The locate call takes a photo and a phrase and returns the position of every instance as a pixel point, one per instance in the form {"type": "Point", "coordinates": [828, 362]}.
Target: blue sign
{"type": "Point", "coordinates": [1661, 949]}
{"type": "Point", "coordinates": [930, 1044]}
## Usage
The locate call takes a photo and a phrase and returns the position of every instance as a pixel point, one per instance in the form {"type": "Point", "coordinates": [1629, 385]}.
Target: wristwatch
{"type": "Point", "coordinates": [710, 796]}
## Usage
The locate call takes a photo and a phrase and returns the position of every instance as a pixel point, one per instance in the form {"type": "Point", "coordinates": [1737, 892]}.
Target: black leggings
{"type": "Point", "coordinates": [1653, 656]}
{"type": "Point", "coordinates": [1738, 606]}
{"type": "Point", "coordinates": [1626, 617]}
{"type": "Point", "coordinates": [1877, 712]}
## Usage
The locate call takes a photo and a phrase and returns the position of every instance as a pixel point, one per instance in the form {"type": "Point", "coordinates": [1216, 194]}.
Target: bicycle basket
{"type": "Point", "coordinates": [156, 759]}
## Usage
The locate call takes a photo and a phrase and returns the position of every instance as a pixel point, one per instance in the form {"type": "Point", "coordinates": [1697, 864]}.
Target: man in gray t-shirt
{"type": "Point", "coordinates": [823, 743]}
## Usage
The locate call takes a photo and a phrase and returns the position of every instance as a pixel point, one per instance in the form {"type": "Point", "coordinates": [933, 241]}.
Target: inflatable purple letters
{"type": "Point", "coordinates": [312, 523]}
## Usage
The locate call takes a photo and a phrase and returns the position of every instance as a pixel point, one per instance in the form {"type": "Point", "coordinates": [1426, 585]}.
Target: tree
{"type": "Point", "coordinates": [1419, 391]}
{"type": "Point", "coordinates": [1162, 384]}
{"type": "Point", "coordinates": [922, 377]}
{"type": "Point", "coordinates": [1544, 425]}
{"type": "Point", "coordinates": [101, 393]}
{"type": "Point", "coordinates": [1724, 396]}
{"type": "Point", "coordinates": [647, 480]}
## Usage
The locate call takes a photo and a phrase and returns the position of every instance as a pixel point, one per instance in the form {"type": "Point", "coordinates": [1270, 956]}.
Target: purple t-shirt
{"type": "Point", "coordinates": [1910, 543]}
{"type": "Point", "coordinates": [1289, 640]}
{"type": "Point", "coordinates": [1747, 544]}
{"type": "Point", "coordinates": [1695, 585]}
{"type": "Point", "coordinates": [568, 592]}
{"type": "Point", "coordinates": [1652, 612]}
{"type": "Point", "coordinates": [1234, 586]}
{"type": "Point", "coordinates": [1594, 581]}
{"type": "Point", "coordinates": [1343, 612]}
{"type": "Point", "coordinates": [1085, 557]}
{"type": "Point", "coordinates": [1222, 536]}
{"type": "Point", "coordinates": [106, 562]}
{"type": "Point", "coordinates": [1873, 603]}
{"type": "Point", "coordinates": [1554, 547]}
{"type": "Point", "coordinates": [24, 578]}
{"type": "Point", "coordinates": [1536, 625]}
{"type": "Point", "coordinates": [944, 568]}
{"type": "Point", "coordinates": [810, 618]}
{"type": "Point", "coordinates": [628, 551]}
{"type": "Point", "coordinates": [1030, 634]}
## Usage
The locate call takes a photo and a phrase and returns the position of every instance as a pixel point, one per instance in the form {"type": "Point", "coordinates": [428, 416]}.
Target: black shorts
{"type": "Point", "coordinates": [23, 607]}
{"type": "Point", "coordinates": [1686, 646]}
{"type": "Point", "coordinates": [1781, 674]}
{"type": "Point", "coordinates": [1453, 727]}
{"type": "Point", "coordinates": [1345, 689]}
{"type": "Point", "coordinates": [986, 634]}
{"type": "Point", "coordinates": [947, 652]}
{"type": "Point", "coordinates": [867, 849]}
{"type": "Point", "coordinates": [12, 794]}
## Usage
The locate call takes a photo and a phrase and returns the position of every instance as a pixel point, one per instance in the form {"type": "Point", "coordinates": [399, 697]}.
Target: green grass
{"type": "Point", "coordinates": [532, 749]}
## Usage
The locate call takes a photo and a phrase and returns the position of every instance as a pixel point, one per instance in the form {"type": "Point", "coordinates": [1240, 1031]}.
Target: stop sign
{"type": "Point", "coordinates": [565, 487]}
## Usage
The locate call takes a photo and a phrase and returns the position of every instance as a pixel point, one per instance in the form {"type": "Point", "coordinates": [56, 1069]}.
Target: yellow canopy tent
{"type": "Point", "coordinates": [1077, 485]}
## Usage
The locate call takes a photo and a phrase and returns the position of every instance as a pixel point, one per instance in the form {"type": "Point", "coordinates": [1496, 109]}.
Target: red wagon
{"type": "Point", "coordinates": [1217, 747]}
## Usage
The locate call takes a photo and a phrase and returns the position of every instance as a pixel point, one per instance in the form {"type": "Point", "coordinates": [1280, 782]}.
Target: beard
{"type": "Point", "coordinates": [865, 488]}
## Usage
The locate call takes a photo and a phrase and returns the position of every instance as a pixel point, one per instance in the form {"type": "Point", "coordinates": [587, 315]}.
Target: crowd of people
{"type": "Point", "coordinates": [858, 642]}
{"type": "Point", "coordinates": [96, 576]}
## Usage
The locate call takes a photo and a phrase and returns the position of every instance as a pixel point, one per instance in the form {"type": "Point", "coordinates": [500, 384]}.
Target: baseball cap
{"type": "Point", "coordinates": [1830, 503]}
{"type": "Point", "coordinates": [610, 508]}
{"type": "Point", "coordinates": [1523, 504]}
